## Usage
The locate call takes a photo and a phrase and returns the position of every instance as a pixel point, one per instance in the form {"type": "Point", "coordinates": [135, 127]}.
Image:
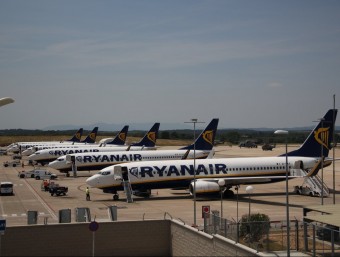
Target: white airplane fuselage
{"type": "Point", "coordinates": [97, 161]}
{"type": "Point", "coordinates": [172, 174]}
{"type": "Point", "coordinates": [50, 154]}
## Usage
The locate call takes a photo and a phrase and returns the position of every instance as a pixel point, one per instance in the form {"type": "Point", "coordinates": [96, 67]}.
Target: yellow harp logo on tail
{"type": "Point", "coordinates": [122, 136]}
{"type": "Point", "coordinates": [208, 136]}
{"type": "Point", "coordinates": [152, 136]}
{"type": "Point", "coordinates": [93, 136]}
{"type": "Point", "coordinates": [78, 136]}
{"type": "Point", "coordinates": [322, 136]}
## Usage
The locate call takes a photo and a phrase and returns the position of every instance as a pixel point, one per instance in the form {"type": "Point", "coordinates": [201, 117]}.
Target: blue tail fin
{"type": "Point", "coordinates": [77, 136]}
{"type": "Point", "coordinates": [149, 140]}
{"type": "Point", "coordinates": [206, 139]}
{"type": "Point", "coordinates": [120, 137]}
{"type": "Point", "coordinates": [91, 138]}
{"type": "Point", "coordinates": [319, 139]}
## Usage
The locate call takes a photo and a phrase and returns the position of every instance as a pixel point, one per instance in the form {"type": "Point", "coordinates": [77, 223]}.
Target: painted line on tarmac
{"type": "Point", "coordinates": [48, 208]}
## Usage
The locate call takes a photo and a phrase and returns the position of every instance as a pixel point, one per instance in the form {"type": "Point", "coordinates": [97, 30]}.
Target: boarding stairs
{"type": "Point", "coordinates": [128, 191]}
{"type": "Point", "coordinates": [315, 183]}
{"type": "Point", "coordinates": [310, 184]}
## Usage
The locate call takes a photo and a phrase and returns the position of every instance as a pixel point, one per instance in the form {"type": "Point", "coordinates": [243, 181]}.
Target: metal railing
{"type": "Point", "coordinates": [261, 236]}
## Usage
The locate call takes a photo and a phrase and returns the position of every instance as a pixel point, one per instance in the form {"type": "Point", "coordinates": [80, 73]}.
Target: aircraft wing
{"type": "Point", "coordinates": [248, 180]}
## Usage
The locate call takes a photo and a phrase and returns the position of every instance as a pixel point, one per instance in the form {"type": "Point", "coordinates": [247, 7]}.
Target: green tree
{"type": "Point", "coordinates": [255, 226]}
{"type": "Point", "coordinates": [165, 135]}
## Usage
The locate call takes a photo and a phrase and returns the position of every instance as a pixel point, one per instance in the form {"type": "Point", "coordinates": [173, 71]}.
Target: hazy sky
{"type": "Point", "coordinates": [249, 63]}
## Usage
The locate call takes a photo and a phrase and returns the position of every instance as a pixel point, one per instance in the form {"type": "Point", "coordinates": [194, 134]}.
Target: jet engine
{"type": "Point", "coordinates": [204, 187]}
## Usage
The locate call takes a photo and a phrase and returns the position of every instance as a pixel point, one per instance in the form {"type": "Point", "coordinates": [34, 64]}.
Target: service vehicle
{"type": "Point", "coordinates": [56, 189]}
{"type": "Point", "coordinates": [26, 174]}
{"type": "Point", "coordinates": [248, 144]}
{"type": "Point", "coordinates": [305, 190]}
{"type": "Point", "coordinates": [6, 188]}
{"type": "Point", "coordinates": [37, 174]}
{"type": "Point", "coordinates": [13, 163]}
{"type": "Point", "coordinates": [268, 147]}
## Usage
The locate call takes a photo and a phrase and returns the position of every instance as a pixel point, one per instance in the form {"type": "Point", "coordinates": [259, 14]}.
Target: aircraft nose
{"type": "Point", "coordinates": [91, 181]}
{"type": "Point", "coordinates": [31, 157]}
{"type": "Point", "coordinates": [53, 165]}
{"type": "Point", "coordinates": [26, 152]}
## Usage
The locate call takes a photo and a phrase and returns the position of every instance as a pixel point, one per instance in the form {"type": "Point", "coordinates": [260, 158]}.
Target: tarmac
{"type": "Point", "coordinates": [269, 198]}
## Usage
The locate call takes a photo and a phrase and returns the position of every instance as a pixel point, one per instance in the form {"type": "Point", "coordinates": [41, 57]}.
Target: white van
{"type": "Point", "coordinates": [6, 188]}
{"type": "Point", "coordinates": [37, 174]}
{"type": "Point", "coordinates": [44, 174]}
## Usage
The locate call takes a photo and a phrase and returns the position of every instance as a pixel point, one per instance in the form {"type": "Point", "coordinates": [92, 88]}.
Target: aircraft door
{"type": "Point", "coordinates": [117, 173]}
{"type": "Point", "coordinates": [125, 174]}
{"type": "Point", "coordinates": [299, 165]}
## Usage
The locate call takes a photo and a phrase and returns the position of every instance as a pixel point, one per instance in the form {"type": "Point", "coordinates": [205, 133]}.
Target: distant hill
{"type": "Point", "coordinates": [119, 126]}
{"type": "Point", "coordinates": [164, 126]}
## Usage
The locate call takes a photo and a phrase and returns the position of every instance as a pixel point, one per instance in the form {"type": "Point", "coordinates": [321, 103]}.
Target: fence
{"type": "Point", "coordinates": [321, 239]}
{"type": "Point", "coordinates": [318, 239]}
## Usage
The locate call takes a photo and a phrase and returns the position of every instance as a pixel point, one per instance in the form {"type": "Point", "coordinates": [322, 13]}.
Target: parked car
{"type": "Point", "coordinates": [13, 163]}
{"type": "Point", "coordinates": [6, 188]}
{"type": "Point", "coordinates": [268, 147]}
{"type": "Point", "coordinates": [248, 144]}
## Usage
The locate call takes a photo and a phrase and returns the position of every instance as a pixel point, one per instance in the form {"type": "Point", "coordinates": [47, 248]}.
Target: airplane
{"type": "Point", "coordinates": [145, 176]}
{"type": "Point", "coordinates": [48, 154]}
{"type": "Point", "coordinates": [118, 140]}
{"type": "Point", "coordinates": [96, 161]}
{"type": "Point", "coordinates": [21, 146]}
{"type": "Point", "coordinates": [148, 142]}
{"type": "Point", "coordinates": [90, 139]}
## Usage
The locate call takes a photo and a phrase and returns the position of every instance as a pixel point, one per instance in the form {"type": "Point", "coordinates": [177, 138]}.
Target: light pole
{"type": "Point", "coordinates": [6, 100]}
{"type": "Point", "coordinates": [285, 132]}
{"type": "Point", "coordinates": [194, 121]}
{"type": "Point", "coordinates": [236, 188]}
{"type": "Point", "coordinates": [249, 190]}
{"type": "Point", "coordinates": [221, 183]}
{"type": "Point", "coordinates": [333, 146]}
{"type": "Point", "coordinates": [321, 120]}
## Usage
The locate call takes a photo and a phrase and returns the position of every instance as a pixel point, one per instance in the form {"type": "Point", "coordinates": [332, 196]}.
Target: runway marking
{"type": "Point", "coordinates": [41, 200]}
{"type": "Point", "coordinates": [16, 215]}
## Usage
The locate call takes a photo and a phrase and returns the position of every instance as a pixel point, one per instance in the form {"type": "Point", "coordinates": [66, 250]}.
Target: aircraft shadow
{"type": "Point", "coordinates": [185, 195]}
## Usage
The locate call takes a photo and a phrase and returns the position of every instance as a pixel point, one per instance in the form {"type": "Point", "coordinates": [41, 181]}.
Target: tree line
{"type": "Point", "coordinates": [232, 136]}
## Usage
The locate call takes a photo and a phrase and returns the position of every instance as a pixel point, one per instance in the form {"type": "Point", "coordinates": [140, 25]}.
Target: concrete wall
{"type": "Point", "coordinates": [187, 241]}
{"type": "Point", "coordinates": [128, 238]}
{"type": "Point", "coordinates": [131, 238]}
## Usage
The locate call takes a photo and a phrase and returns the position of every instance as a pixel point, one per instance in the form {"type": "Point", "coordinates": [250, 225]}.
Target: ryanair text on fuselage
{"type": "Point", "coordinates": [71, 151]}
{"type": "Point", "coordinates": [109, 158]}
{"type": "Point", "coordinates": [182, 170]}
